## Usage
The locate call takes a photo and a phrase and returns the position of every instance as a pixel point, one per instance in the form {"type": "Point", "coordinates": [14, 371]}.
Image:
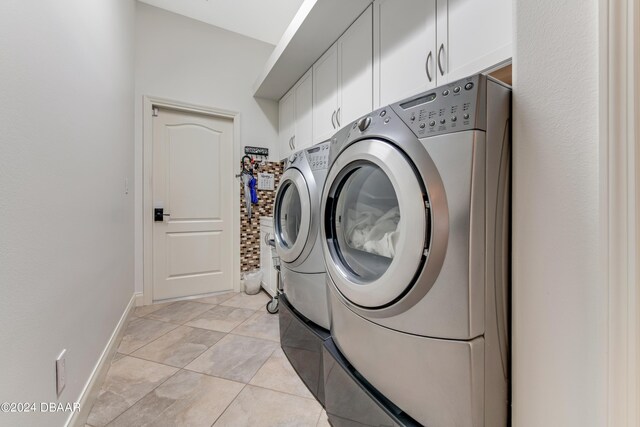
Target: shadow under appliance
{"type": "Point", "coordinates": [415, 233]}
{"type": "Point", "coordinates": [304, 315]}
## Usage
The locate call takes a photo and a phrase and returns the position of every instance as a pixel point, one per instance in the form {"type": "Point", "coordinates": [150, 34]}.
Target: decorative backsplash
{"type": "Point", "coordinates": [250, 228]}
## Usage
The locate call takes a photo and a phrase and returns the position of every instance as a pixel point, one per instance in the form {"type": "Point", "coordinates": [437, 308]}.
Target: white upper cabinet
{"type": "Point", "coordinates": [286, 126]}
{"type": "Point", "coordinates": [343, 78]}
{"type": "Point", "coordinates": [472, 36]}
{"type": "Point", "coordinates": [404, 48]}
{"type": "Point", "coordinates": [355, 67]}
{"type": "Point", "coordinates": [393, 50]}
{"type": "Point", "coordinates": [303, 135]}
{"type": "Point", "coordinates": [295, 122]}
{"type": "Point", "coordinates": [325, 95]}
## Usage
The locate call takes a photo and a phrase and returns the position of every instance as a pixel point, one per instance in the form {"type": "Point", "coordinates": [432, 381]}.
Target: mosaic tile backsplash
{"type": "Point", "coordinates": [250, 228]}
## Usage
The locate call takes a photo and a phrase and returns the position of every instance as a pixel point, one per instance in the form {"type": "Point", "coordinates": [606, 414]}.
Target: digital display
{"type": "Point", "coordinates": [313, 150]}
{"type": "Point", "coordinates": [418, 101]}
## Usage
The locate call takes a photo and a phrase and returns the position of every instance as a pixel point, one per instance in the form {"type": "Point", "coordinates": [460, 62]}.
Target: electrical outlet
{"type": "Point", "coordinates": [61, 372]}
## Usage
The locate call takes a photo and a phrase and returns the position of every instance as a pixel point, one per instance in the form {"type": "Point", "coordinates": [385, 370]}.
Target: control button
{"type": "Point", "coordinates": [422, 125]}
{"type": "Point", "coordinates": [364, 123]}
{"type": "Point", "coordinates": [413, 118]}
{"type": "Point", "coordinates": [383, 113]}
{"type": "Point", "coordinates": [456, 89]}
{"type": "Point", "coordinates": [445, 92]}
{"type": "Point", "coordinates": [454, 118]}
{"type": "Point", "coordinates": [442, 121]}
{"type": "Point", "coordinates": [432, 123]}
{"type": "Point", "coordinates": [468, 86]}
{"type": "Point", "coordinates": [386, 120]}
{"type": "Point", "coordinates": [466, 116]}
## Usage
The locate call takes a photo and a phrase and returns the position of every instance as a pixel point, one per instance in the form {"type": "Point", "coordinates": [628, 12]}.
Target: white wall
{"type": "Point", "coordinates": [188, 61]}
{"type": "Point", "coordinates": [66, 229]}
{"type": "Point", "coordinates": [559, 308]}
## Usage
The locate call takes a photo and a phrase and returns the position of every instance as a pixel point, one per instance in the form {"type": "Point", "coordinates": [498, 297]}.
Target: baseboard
{"type": "Point", "coordinates": [139, 299]}
{"type": "Point", "coordinates": [92, 387]}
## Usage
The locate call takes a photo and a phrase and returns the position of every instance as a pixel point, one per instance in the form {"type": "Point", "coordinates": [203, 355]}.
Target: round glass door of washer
{"type": "Point", "coordinates": [289, 215]}
{"type": "Point", "coordinates": [367, 219]}
{"type": "Point", "coordinates": [374, 223]}
{"type": "Point", "coordinates": [292, 216]}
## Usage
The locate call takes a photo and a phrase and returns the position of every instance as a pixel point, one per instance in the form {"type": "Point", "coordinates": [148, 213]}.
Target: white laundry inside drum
{"type": "Point", "coordinates": [369, 216]}
{"type": "Point", "coordinates": [372, 230]}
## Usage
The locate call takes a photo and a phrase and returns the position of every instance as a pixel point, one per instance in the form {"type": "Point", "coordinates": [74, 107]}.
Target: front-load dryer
{"type": "Point", "coordinates": [296, 225]}
{"type": "Point", "coordinates": [304, 312]}
{"type": "Point", "coordinates": [415, 233]}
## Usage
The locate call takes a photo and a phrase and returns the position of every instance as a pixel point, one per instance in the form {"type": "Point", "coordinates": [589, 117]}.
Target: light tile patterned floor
{"type": "Point", "coordinates": [213, 361]}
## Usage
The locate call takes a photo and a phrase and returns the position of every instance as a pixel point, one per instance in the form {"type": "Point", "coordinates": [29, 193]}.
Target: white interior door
{"type": "Point", "coordinates": [193, 183]}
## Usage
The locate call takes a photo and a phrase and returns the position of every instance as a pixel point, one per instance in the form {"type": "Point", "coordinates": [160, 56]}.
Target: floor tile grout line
{"type": "Point", "coordinates": [319, 415]}
{"type": "Point", "coordinates": [155, 339]}
{"type": "Point", "coordinates": [263, 363]}
{"type": "Point", "coordinates": [208, 347]}
{"type": "Point", "coordinates": [230, 403]}
{"type": "Point", "coordinates": [180, 367]}
{"type": "Point", "coordinates": [250, 336]}
{"type": "Point", "coordinates": [145, 395]}
{"type": "Point", "coordinates": [287, 393]}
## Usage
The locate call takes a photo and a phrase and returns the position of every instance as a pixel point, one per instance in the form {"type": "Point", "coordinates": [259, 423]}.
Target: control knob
{"type": "Point", "coordinates": [364, 123]}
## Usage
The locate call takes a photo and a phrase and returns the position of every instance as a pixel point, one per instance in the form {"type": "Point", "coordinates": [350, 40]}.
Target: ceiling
{"type": "Point", "coordinates": [264, 20]}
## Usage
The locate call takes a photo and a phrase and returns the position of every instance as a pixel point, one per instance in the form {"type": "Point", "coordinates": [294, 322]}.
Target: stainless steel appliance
{"type": "Point", "coordinates": [415, 233]}
{"type": "Point", "coordinates": [304, 311]}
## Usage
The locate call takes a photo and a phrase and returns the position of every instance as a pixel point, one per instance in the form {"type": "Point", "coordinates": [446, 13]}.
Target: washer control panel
{"type": "Point", "coordinates": [318, 156]}
{"type": "Point", "coordinates": [449, 108]}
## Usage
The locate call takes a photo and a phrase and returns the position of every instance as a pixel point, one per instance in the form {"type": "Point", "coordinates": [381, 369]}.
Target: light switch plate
{"type": "Point", "coordinates": [61, 372]}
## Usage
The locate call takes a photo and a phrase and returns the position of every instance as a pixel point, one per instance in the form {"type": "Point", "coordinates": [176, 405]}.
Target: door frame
{"type": "Point", "coordinates": [149, 102]}
{"type": "Point", "coordinates": [619, 29]}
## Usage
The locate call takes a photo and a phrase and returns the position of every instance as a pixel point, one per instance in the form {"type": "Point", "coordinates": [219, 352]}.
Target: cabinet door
{"type": "Point", "coordinates": [286, 124]}
{"type": "Point", "coordinates": [355, 53]}
{"type": "Point", "coordinates": [404, 48]}
{"type": "Point", "coordinates": [325, 95]}
{"type": "Point", "coordinates": [472, 36]}
{"type": "Point", "coordinates": [303, 135]}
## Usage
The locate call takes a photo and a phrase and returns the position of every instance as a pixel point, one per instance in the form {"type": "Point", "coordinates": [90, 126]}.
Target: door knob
{"type": "Point", "coordinates": [158, 214]}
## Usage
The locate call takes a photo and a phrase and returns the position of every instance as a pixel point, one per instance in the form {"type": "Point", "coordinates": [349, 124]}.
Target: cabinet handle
{"type": "Point", "coordinates": [293, 141]}
{"type": "Point", "coordinates": [333, 115]}
{"type": "Point", "coordinates": [440, 59]}
{"type": "Point", "coordinates": [290, 143]}
{"type": "Point", "coordinates": [338, 116]}
{"type": "Point", "coordinates": [427, 67]}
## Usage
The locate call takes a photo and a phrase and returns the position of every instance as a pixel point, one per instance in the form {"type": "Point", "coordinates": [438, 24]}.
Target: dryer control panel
{"type": "Point", "coordinates": [318, 156]}
{"type": "Point", "coordinates": [453, 107]}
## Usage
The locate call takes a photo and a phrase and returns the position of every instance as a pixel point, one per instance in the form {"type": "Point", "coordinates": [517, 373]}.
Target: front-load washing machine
{"type": "Point", "coordinates": [415, 233]}
{"type": "Point", "coordinates": [304, 313]}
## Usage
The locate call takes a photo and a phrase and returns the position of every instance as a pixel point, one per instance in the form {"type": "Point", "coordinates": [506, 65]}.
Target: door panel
{"type": "Point", "coordinates": [405, 35]}
{"type": "Point", "coordinates": [286, 124]}
{"type": "Point", "coordinates": [193, 185]}
{"type": "Point", "coordinates": [192, 175]}
{"type": "Point", "coordinates": [356, 69]}
{"type": "Point", "coordinates": [194, 253]}
{"type": "Point", "coordinates": [476, 35]}
{"type": "Point", "coordinates": [325, 95]}
{"type": "Point", "coordinates": [303, 136]}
